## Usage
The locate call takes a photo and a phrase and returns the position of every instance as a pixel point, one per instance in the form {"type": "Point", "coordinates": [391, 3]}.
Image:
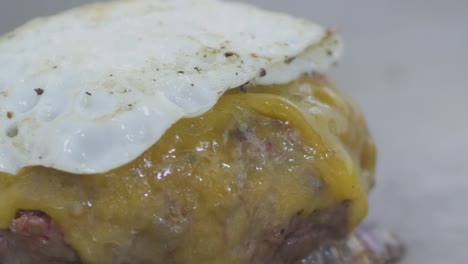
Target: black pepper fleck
{"type": "Point", "coordinates": [197, 69]}
{"type": "Point", "coordinates": [262, 72]}
{"type": "Point", "coordinates": [181, 72]}
{"type": "Point", "coordinates": [39, 91]}
{"type": "Point", "coordinates": [88, 93]}
{"type": "Point", "coordinates": [289, 60]}
{"type": "Point", "coordinates": [55, 66]}
{"type": "Point", "coordinates": [192, 84]}
{"type": "Point", "coordinates": [230, 54]}
{"type": "Point", "coordinates": [237, 73]}
{"type": "Point", "coordinates": [243, 87]}
{"type": "Point", "coordinates": [329, 52]}
{"type": "Point", "coordinates": [111, 75]}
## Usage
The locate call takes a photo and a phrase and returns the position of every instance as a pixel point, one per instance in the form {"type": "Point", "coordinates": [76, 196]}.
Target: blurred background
{"type": "Point", "coordinates": [406, 63]}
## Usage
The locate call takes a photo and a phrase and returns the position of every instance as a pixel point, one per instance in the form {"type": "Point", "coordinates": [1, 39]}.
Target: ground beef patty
{"type": "Point", "coordinates": [264, 177]}
{"type": "Point", "coordinates": [35, 238]}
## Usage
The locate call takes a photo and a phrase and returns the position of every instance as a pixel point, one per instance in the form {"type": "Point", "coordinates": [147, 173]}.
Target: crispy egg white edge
{"type": "Point", "coordinates": [91, 89]}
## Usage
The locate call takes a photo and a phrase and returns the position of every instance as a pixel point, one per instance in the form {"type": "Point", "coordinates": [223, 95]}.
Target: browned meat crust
{"type": "Point", "coordinates": [306, 232]}
{"type": "Point", "coordinates": [34, 237]}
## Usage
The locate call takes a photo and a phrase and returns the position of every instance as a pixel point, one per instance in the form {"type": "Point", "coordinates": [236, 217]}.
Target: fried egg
{"type": "Point", "coordinates": [91, 89]}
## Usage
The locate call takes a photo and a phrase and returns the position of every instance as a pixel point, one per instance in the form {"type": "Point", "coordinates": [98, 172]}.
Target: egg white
{"type": "Point", "coordinates": [113, 77]}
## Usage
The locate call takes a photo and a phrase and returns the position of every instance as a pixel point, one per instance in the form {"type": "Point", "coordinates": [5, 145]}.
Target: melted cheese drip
{"type": "Point", "coordinates": [197, 195]}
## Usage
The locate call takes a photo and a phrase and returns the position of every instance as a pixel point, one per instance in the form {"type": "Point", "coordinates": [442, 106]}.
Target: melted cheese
{"type": "Point", "coordinates": [212, 183]}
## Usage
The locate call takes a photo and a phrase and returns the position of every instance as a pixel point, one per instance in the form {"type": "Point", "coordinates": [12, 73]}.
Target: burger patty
{"type": "Point", "coordinates": [263, 177]}
{"type": "Point", "coordinates": [35, 238]}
